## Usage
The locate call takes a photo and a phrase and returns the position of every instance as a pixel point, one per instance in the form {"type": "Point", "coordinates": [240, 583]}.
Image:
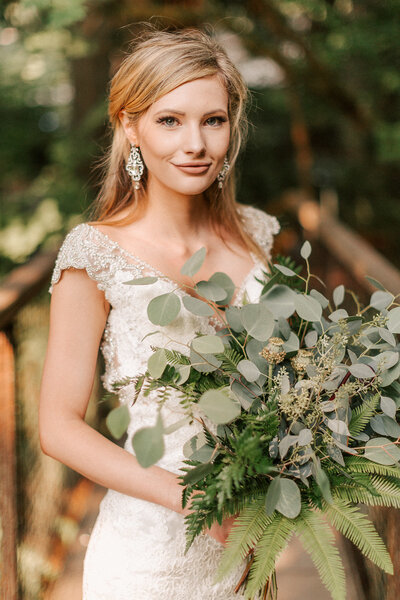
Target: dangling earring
{"type": "Point", "coordinates": [135, 165]}
{"type": "Point", "coordinates": [222, 174]}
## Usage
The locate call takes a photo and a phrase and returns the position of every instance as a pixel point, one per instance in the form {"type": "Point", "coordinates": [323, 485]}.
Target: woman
{"type": "Point", "coordinates": [177, 110]}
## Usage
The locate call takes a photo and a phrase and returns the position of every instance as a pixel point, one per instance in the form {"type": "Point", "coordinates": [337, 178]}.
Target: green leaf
{"type": "Point", "coordinates": [289, 502]}
{"type": "Point", "coordinates": [305, 250]}
{"type": "Point", "coordinates": [225, 282]}
{"type": "Point", "coordinates": [308, 308]}
{"type": "Point", "coordinates": [141, 281]}
{"type": "Point", "coordinates": [318, 539]}
{"type": "Point", "coordinates": [323, 301]}
{"type": "Point", "coordinates": [197, 307]}
{"type": "Point", "coordinates": [393, 323]}
{"type": "Point", "coordinates": [177, 425]}
{"type": "Point", "coordinates": [194, 263]}
{"type": "Point", "coordinates": [184, 372]}
{"type": "Point", "coordinates": [251, 523]}
{"type": "Point", "coordinates": [381, 300]}
{"type": "Point", "coordinates": [361, 371]}
{"type": "Point", "coordinates": [258, 321]}
{"type": "Point", "coordinates": [376, 283]}
{"type": "Point", "coordinates": [118, 421]}
{"type": "Point", "coordinates": [285, 270]}
{"type": "Point", "coordinates": [232, 315]}
{"type": "Point", "coordinates": [163, 309]}
{"type": "Point", "coordinates": [358, 529]}
{"type": "Point", "coordinates": [382, 451]}
{"type": "Point", "coordinates": [204, 363]}
{"type": "Point", "coordinates": [148, 444]}
{"type": "Point", "coordinates": [210, 291]}
{"type": "Point", "coordinates": [273, 494]}
{"type": "Point", "coordinates": [361, 415]}
{"type": "Point", "coordinates": [323, 483]}
{"type": "Point", "coordinates": [157, 363]}
{"type": "Point", "coordinates": [388, 406]}
{"type": "Point", "coordinates": [338, 295]}
{"type": "Point", "coordinates": [249, 370]}
{"type": "Point", "coordinates": [219, 407]}
{"type": "Point", "coordinates": [273, 541]}
{"type": "Point", "coordinates": [198, 473]}
{"type": "Point", "coordinates": [208, 344]}
{"type": "Point", "coordinates": [280, 300]}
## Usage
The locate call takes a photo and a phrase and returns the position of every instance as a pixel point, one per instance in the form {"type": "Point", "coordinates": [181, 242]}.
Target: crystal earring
{"type": "Point", "coordinates": [135, 165]}
{"type": "Point", "coordinates": [222, 174]}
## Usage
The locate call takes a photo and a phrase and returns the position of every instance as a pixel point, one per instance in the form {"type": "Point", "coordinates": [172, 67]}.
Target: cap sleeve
{"type": "Point", "coordinates": [261, 226]}
{"type": "Point", "coordinates": [79, 251]}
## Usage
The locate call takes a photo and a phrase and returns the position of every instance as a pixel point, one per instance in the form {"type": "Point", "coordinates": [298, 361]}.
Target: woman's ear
{"type": "Point", "coordinates": [129, 128]}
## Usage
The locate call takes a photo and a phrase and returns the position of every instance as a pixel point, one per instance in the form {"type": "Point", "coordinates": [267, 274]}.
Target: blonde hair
{"type": "Point", "coordinates": [159, 62]}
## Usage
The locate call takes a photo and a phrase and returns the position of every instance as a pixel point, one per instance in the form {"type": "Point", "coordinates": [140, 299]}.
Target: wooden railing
{"type": "Point", "coordinates": [319, 223]}
{"type": "Point", "coordinates": [17, 289]}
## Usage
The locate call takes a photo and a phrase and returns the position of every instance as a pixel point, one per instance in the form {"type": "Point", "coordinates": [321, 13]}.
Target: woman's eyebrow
{"type": "Point", "coordinates": [178, 112]}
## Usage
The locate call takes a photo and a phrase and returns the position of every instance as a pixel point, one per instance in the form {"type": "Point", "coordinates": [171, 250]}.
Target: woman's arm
{"type": "Point", "coordinates": [77, 318]}
{"type": "Point", "coordinates": [78, 315]}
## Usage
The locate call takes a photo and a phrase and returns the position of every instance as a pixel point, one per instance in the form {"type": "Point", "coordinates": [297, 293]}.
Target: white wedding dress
{"type": "Point", "coordinates": [136, 550]}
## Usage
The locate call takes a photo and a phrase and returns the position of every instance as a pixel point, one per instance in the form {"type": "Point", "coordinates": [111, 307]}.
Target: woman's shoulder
{"type": "Point", "coordinates": [259, 224]}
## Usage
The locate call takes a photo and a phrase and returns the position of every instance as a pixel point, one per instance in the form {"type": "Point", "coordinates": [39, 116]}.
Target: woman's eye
{"type": "Point", "coordinates": [169, 121]}
{"type": "Point", "coordinates": [213, 121]}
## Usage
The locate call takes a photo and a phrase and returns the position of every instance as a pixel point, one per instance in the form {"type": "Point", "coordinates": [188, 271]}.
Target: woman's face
{"type": "Point", "coordinates": [184, 136]}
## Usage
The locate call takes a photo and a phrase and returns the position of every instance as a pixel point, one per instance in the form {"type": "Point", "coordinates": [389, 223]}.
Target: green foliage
{"type": "Point", "coordinates": [362, 414]}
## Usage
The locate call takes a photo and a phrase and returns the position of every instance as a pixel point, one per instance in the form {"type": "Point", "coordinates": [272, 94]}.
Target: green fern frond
{"type": "Point", "coordinates": [230, 359]}
{"type": "Point", "coordinates": [361, 415]}
{"type": "Point", "coordinates": [388, 493]}
{"type": "Point", "coordinates": [272, 542]}
{"type": "Point", "coordinates": [318, 539]}
{"type": "Point", "coordinates": [358, 464]}
{"type": "Point", "coordinates": [176, 358]}
{"type": "Point", "coordinates": [358, 528]}
{"type": "Point", "coordinates": [248, 529]}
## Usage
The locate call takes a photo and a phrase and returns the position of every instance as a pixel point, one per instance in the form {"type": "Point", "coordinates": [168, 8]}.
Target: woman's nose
{"type": "Point", "coordinates": [194, 140]}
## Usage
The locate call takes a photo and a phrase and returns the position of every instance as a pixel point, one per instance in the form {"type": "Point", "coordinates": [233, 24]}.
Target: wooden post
{"type": "Point", "coordinates": [8, 516]}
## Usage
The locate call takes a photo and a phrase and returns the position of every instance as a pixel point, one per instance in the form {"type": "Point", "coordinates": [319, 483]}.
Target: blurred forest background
{"type": "Point", "coordinates": [325, 82]}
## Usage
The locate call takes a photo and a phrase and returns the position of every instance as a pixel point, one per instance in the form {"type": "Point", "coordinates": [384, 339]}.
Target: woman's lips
{"type": "Point", "coordinates": [193, 169]}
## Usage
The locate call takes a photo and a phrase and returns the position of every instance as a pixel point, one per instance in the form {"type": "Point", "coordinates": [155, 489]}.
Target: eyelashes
{"type": "Point", "coordinates": [167, 121]}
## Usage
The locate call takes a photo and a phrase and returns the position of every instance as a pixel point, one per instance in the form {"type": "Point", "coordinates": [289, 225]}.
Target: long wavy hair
{"type": "Point", "coordinates": [158, 62]}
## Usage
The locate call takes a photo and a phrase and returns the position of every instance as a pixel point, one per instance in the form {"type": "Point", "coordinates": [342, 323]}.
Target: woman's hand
{"type": "Point", "coordinates": [221, 532]}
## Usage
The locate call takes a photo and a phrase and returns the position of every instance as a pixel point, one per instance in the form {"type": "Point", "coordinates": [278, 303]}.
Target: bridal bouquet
{"type": "Point", "coordinates": [297, 400]}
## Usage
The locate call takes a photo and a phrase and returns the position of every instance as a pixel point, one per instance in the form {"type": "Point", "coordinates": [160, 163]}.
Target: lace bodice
{"type": "Point", "coordinates": [145, 533]}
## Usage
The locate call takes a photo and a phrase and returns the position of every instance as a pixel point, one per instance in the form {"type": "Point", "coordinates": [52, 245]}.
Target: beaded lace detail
{"type": "Point", "coordinates": [136, 550]}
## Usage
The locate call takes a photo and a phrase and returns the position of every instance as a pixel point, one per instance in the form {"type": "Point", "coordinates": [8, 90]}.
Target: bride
{"type": "Point", "coordinates": [177, 108]}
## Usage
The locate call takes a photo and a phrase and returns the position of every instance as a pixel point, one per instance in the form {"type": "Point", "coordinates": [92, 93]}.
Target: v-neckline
{"type": "Point", "coordinates": [239, 290]}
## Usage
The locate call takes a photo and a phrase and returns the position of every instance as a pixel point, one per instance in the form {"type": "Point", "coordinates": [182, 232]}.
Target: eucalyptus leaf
{"type": "Point", "coordinates": [184, 372]}
{"type": "Point", "coordinates": [323, 483]}
{"type": "Point", "coordinates": [338, 295]}
{"type": "Point", "coordinates": [258, 321]}
{"type": "Point", "coordinates": [148, 444]}
{"type": "Point", "coordinates": [335, 454]}
{"type": "Point", "coordinates": [157, 363]}
{"type": "Point", "coordinates": [225, 282]}
{"type": "Point", "coordinates": [387, 360]}
{"type": "Point", "coordinates": [208, 344]}
{"type": "Point", "coordinates": [232, 315]}
{"type": "Point", "coordinates": [393, 323]}
{"type": "Point", "coordinates": [248, 369]}
{"type": "Point", "coordinates": [311, 339]}
{"type": "Point", "coordinates": [387, 336]}
{"type": "Point", "coordinates": [323, 301]}
{"type": "Point", "coordinates": [280, 301]}
{"type": "Point", "coordinates": [292, 344]}
{"type": "Point", "coordinates": [162, 310]}
{"type": "Point", "coordinates": [289, 502]}
{"type": "Point", "coordinates": [194, 263]}
{"type": "Point", "coordinates": [285, 443]}
{"type": "Point", "coordinates": [338, 426]}
{"type": "Point", "coordinates": [210, 291]}
{"type": "Point", "coordinates": [284, 328]}
{"type": "Point", "coordinates": [284, 270]}
{"type": "Point", "coordinates": [381, 300]}
{"type": "Point", "coordinates": [305, 437]}
{"type": "Point", "coordinates": [308, 308]}
{"type": "Point", "coordinates": [382, 451]}
{"type": "Point", "coordinates": [385, 425]}
{"type": "Point", "coordinates": [388, 406]}
{"type": "Point", "coordinates": [204, 363]}
{"type": "Point", "coordinates": [219, 407]}
{"type": "Point", "coordinates": [338, 314]}
{"type": "Point", "coordinates": [177, 425]}
{"type": "Point", "coordinates": [197, 307]}
{"type": "Point", "coordinates": [272, 496]}
{"type": "Point", "coordinates": [118, 421]}
{"type": "Point", "coordinates": [305, 250]}
{"type": "Point", "coordinates": [361, 371]}
{"type": "Point", "coordinates": [197, 448]}
{"type": "Point", "coordinates": [375, 283]}
{"type": "Point", "coordinates": [141, 281]}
